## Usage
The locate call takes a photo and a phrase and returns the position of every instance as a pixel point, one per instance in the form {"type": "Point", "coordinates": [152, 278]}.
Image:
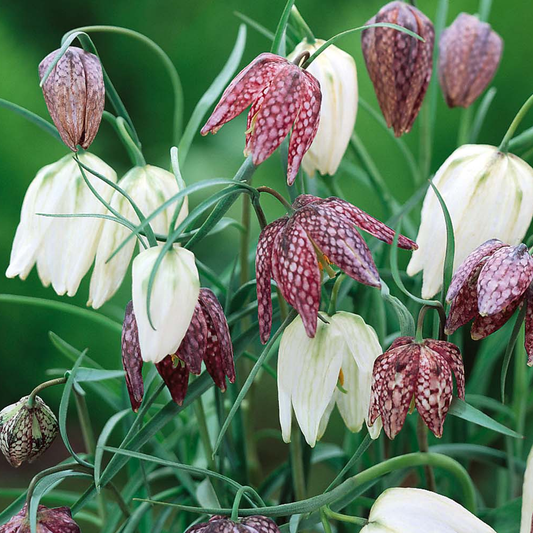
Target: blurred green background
{"type": "Point", "coordinates": [198, 37]}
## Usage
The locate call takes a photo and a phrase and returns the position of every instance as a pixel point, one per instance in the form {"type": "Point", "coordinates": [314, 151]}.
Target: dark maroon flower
{"type": "Point", "coordinates": [421, 370]}
{"type": "Point", "coordinates": [282, 96]}
{"type": "Point", "coordinates": [469, 54]}
{"type": "Point", "coordinates": [292, 249]}
{"type": "Point", "coordinates": [250, 524]}
{"type": "Point", "coordinates": [399, 65]}
{"type": "Point", "coordinates": [207, 339]}
{"type": "Point", "coordinates": [493, 281]}
{"type": "Point", "coordinates": [58, 520]}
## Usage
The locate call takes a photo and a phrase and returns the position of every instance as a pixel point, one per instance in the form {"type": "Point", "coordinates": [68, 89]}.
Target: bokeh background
{"type": "Point", "coordinates": [198, 36]}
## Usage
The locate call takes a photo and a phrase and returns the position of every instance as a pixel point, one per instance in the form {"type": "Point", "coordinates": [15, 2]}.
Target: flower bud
{"type": "Point", "coordinates": [489, 195]}
{"type": "Point", "coordinates": [469, 54]}
{"type": "Point", "coordinates": [337, 74]}
{"type": "Point", "coordinates": [74, 93]}
{"type": "Point", "coordinates": [406, 510]}
{"type": "Point", "coordinates": [399, 65]}
{"type": "Point", "coordinates": [63, 248]}
{"type": "Point", "coordinates": [26, 432]}
{"type": "Point", "coordinates": [174, 295]}
{"type": "Point", "coordinates": [57, 520]}
{"type": "Point", "coordinates": [149, 187]}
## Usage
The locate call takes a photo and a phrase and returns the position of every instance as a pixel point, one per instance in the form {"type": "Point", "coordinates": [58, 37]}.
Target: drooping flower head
{"type": "Point", "coordinates": [57, 520]}
{"type": "Point", "coordinates": [282, 96]}
{"type": "Point", "coordinates": [419, 370]}
{"type": "Point", "coordinates": [292, 248]}
{"type": "Point", "coordinates": [207, 339]}
{"type": "Point", "coordinates": [249, 524]}
{"type": "Point", "coordinates": [494, 281]}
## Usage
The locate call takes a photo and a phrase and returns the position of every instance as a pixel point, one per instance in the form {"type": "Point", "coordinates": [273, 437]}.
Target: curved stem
{"type": "Point", "coordinates": [343, 517]}
{"type": "Point", "coordinates": [335, 293]}
{"type": "Point", "coordinates": [504, 146]}
{"type": "Point", "coordinates": [133, 149]}
{"type": "Point", "coordinates": [237, 501]}
{"type": "Point", "coordinates": [113, 121]}
{"type": "Point", "coordinates": [278, 196]}
{"type": "Point", "coordinates": [260, 214]}
{"type": "Point", "coordinates": [31, 398]}
{"type": "Point", "coordinates": [420, 323]}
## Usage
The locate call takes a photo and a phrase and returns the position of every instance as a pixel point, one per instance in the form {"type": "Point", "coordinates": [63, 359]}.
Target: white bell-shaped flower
{"type": "Point", "coordinates": [526, 523]}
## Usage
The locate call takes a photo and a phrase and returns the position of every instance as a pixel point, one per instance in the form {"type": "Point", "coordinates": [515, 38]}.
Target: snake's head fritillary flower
{"type": "Point", "coordinates": [419, 370]}
{"type": "Point", "coordinates": [26, 431]}
{"type": "Point", "coordinates": [469, 54]}
{"type": "Point", "coordinates": [57, 520]}
{"type": "Point", "coordinates": [292, 249]}
{"type": "Point", "coordinates": [282, 96]}
{"type": "Point", "coordinates": [399, 65]}
{"type": "Point", "coordinates": [74, 93]}
{"type": "Point", "coordinates": [207, 339]}
{"type": "Point", "coordinates": [249, 524]}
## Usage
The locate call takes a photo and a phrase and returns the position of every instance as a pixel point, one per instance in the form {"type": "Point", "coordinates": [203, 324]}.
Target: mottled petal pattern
{"type": "Point", "coordinates": [486, 325]}
{"type": "Point", "coordinates": [193, 345]}
{"type": "Point", "coordinates": [529, 326]}
{"type": "Point", "coordinates": [260, 524]}
{"type": "Point", "coordinates": [401, 341]}
{"type": "Point", "coordinates": [452, 356]}
{"type": "Point", "coordinates": [176, 378]}
{"type": "Point", "coordinates": [250, 524]}
{"type": "Point", "coordinates": [131, 358]}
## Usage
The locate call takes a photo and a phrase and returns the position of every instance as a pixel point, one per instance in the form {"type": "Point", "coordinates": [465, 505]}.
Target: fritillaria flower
{"type": "Point", "coordinates": [74, 93]}
{"type": "Point", "coordinates": [309, 372]}
{"type": "Point", "coordinates": [406, 510]}
{"type": "Point", "coordinates": [469, 54]}
{"type": "Point", "coordinates": [489, 195]}
{"type": "Point", "coordinates": [419, 370]}
{"type": "Point", "coordinates": [26, 431]}
{"type": "Point", "coordinates": [490, 285]}
{"type": "Point", "coordinates": [282, 96]}
{"type": "Point", "coordinates": [207, 339]}
{"type": "Point", "coordinates": [57, 520]}
{"type": "Point", "coordinates": [292, 250]}
{"type": "Point", "coordinates": [399, 65]}
{"type": "Point", "coordinates": [249, 524]}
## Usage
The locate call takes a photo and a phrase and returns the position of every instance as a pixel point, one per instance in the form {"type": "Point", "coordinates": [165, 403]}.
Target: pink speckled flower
{"type": "Point", "coordinates": [490, 285]}
{"type": "Point", "coordinates": [207, 339]}
{"type": "Point", "coordinates": [249, 524]}
{"type": "Point", "coordinates": [57, 520]}
{"type": "Point", "coordinates": [422, 370]}
{"type": "Point", "coordinates": [292, 250]}
{"type": "Point", "coordinates": [282, 96]}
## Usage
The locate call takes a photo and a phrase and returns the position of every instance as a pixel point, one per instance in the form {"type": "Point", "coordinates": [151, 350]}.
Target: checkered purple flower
{"type": "Point", "coordinates": [250, 524]}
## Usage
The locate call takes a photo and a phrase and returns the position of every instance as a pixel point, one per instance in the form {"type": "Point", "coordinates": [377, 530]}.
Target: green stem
{"type": "Point", "coordinates": [422, 438]}
{"type": "Point", "coordinates": [297, 465]}
{"type": "Point", "coordinates": [237, 501]}
{"type": "Point", "coordinates": [260, 214]}
{"type": "Point", "coordinates": [85, 423]}
{"type": "Point", "coordinates": [133, 149]}
{"type": "Point", "coordinates": [335, 293]}
{"type": "Point", "coordinates": [484, 10]}
{"type": "Point", "coordinates": [420, 323]}
{"type": "Point", "coordinates": [204, 433]}
{"type": "Point", "coordinates": [504, 146]}
{"type": "Point", "coordinates": [278, 44]}
{"type": "Point", "coordinates": [42, 386]}
{"type": "Point", "coordinates": [302, 25]}
{"type": "Point", "coordinates": [113, 121]}
{"type": "Point", "coordinates": [465, 126]}
{"type": "Point", "coordinates": [278, 196]}
{"type": "Point", "coordinates": [520, 389]}
{"type": "Point", "coordinates": [344, 518]}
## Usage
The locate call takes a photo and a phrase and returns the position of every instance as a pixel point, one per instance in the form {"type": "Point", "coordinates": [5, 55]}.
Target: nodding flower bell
{"type": "Point", "coordinates": [249, 524]}
{"type": "Point", "coordinates": [56, 520]}
{"type": "Point", "coordinates": [26, 430]}
{"type": "Point", "coordinates": [469, 54]}
{"type": "Point", "coordinates": [282, 96]}
{"type": "Point", "coordinates": [489, 195]}
{"type": "Point", "coordinates": [293, 249]}
{"type": "Point", "coordinates": [207, 339]}
{"type": "Point", "coordinates": [149, 187]}
{"type": "Point", "coordinates": [334, 367]}
{"type": "Point", "coordinates": [336, 72]}
{"type": "Point", "coordinates": [493, 281]}
{"type": "Point", "coordinates": [407, 510]}
{"type": "Point", "coordinates": [63, 248]}
{"type": "Point", "coordinates": [399, 65]}
{"type": "Point", "coordinates": [419, 370]}
{"type": "Point", "coordinates": [74, 93]}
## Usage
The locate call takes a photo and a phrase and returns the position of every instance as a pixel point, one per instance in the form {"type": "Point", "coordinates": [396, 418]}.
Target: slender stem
{"type": "Point", "coordinates": [42, 386]}
{"type": "Point", "coordinates": [278, 196]}
{"type": "Point", "coordinates": [85, 422]}
{"type": "Point", "coordinates": [422, 438]}
{"type": "Point", "coordinates": [465, 126]}
{"type": "Point", "coordinates": [420, 323]}
{"type": "Point", "coordinates": [335, 293]}
{"type": "Point", "coordinates": [325, 522]}
{"type": "Point", "coordinates": [120, 500]}
{"type": "Point", "coordinates": [245, 239]}
{"type": "Point", "coordinates": [520, 389]}
{"type": "Point", "coordinates": [297, 465]}
{"type": "Point", "coordinates": [302, 25]}
{"type": "Point", "coordinates": [344, 518]}
{"type": "Point", "coordinates": [131, 146]}
{"type": "Point", "coordinates": [484, 10]}
{"type": "Point", "coordinates": [237, 500]}
{"type": "Point", "coordinates": [113, 121]}
{"type": "Point", "coordinates": [204, 433]}
{"type": "Point", "coordinates": [260, 214]}
{"type": "Point", "coordinates": [504, 146]}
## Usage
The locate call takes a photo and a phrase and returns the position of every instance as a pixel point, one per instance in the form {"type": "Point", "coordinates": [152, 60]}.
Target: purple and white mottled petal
{"type": "Point", "coordinates": [486, 325]}
{"type": "Point", "coordinates": [243, 90]}
{"type": "Point", "coordinates": [192, 347]}
{"type": "Point", "coordinates": [452, 356]}
{"type": "Point", "coordinates": [263, 274]}
{"type": "Point", "coordinates": [504, 279]}
{"type": "Point", "coordinates": [469, 265]}
{"type": "Point", "coordinates": [401, 341]}
{"type": "Point", "coordinates": [434, 389]}
{"type": "Point", "coordinates": [131, 358]}
{"type": "Point", "coordinates": [176, 378]}
{"type": "Point", "coordinates": [529, 327]}
{"type": "Point", "coordinates": [295, 270]}
{"type": "Point", "coordinates": [306, 124]}
{"type": "Point", "coordinates": [250, 121]}
{"type": "Point", "coordinates": [303, 199]}
{"type": "Point", "coordinates": [260, 524]}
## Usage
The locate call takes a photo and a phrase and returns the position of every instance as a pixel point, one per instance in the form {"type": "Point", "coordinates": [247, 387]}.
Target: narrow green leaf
{"type": "Point", "coordinates": [481, 114]}
{"type": "Point", "coordinates": [206, 495]}
{"type": "Point", "coordinates": [66, 42]}
{"type": "Point", "coordinates": [278, 44]}
{"type": "Point", "coordinates": [93, 374]}
{"type": "Point", "coordinates": [510, 349]}
{"type": "Point", "coordinates": [255, 25]}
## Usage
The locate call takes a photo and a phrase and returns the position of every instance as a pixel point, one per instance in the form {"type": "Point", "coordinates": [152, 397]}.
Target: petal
{"type": "Point", "coordinates": [452, 355]}
{"type": "Point", "coordinates": [401, 341]}
{"type": "Point", "coordinates": [470, 264]}
{"type": "Point", "coordinates": [295, 269]}
{"type": "Point", "coordinates": [250, 121]}
{"type": "Point", "coordinates": [176, 378]}
{"type": "Point", "coordinates": [263, 274]}
{"type": "Point", "coordinates": [529, 327]}
{"type": "Point", "coordinates": [485, 325]}
{"type": "Point", "coordinates": [434, 389]}
{"type": "Point", "coordinates": [503, 279]}
{"type": "Point", "coordinates": [306, 125]}
{"type": "Point", "coordinates": [340, 242]}
{"type": "Point", "coordinates": [243, 90]}
{"type": "Point", "coordinates": [260, 524]}
{"type": "Point", "coordinates": [131, 358]}
{"type": "Point", "coordinates": [193, 346]}
{"type": "Point", "coordinates": [304, 199]}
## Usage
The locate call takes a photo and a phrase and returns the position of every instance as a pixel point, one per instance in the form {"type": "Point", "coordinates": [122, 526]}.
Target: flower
{"type": "Point", "coordinates": [406, 510]}
{"type": "Point", "coordinates": [419, 370]}
{"type": "Point", "coordinates": [249, 524]}
{"type": "Point", "coordinates": [57, 520]}
{"type": "Point", "coordinates": [469, 54]}
{"type": "Point", "coordinates": [74, 93]}
{"type": "Point", "coordinates": [399, 65]}
{"type": "Point", "coordinates": [173, 299]}
{"type": "Point", "coordinates": [207, 339]}
{"type": "Point", "coordinates": [26, 431]}
{"type": "Point", "coordinates": [292, 248]}
{"type": "Point", "coordinates": [336, 72]}
{"type": "Point", "coordinates": [282, 96]}
{"type": "Point", "coordinates": [493, 281]}
{"type": "Point", "coordinates": [526, 523]}
{"type": "Point", "coordinates": [63, 248]}
{"type": "Point", "coordinates": [310, 369]}
{"type": "Point", "coordinates": [489, 195]}
{"type": "Point", "coordinates": [149, 187]}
